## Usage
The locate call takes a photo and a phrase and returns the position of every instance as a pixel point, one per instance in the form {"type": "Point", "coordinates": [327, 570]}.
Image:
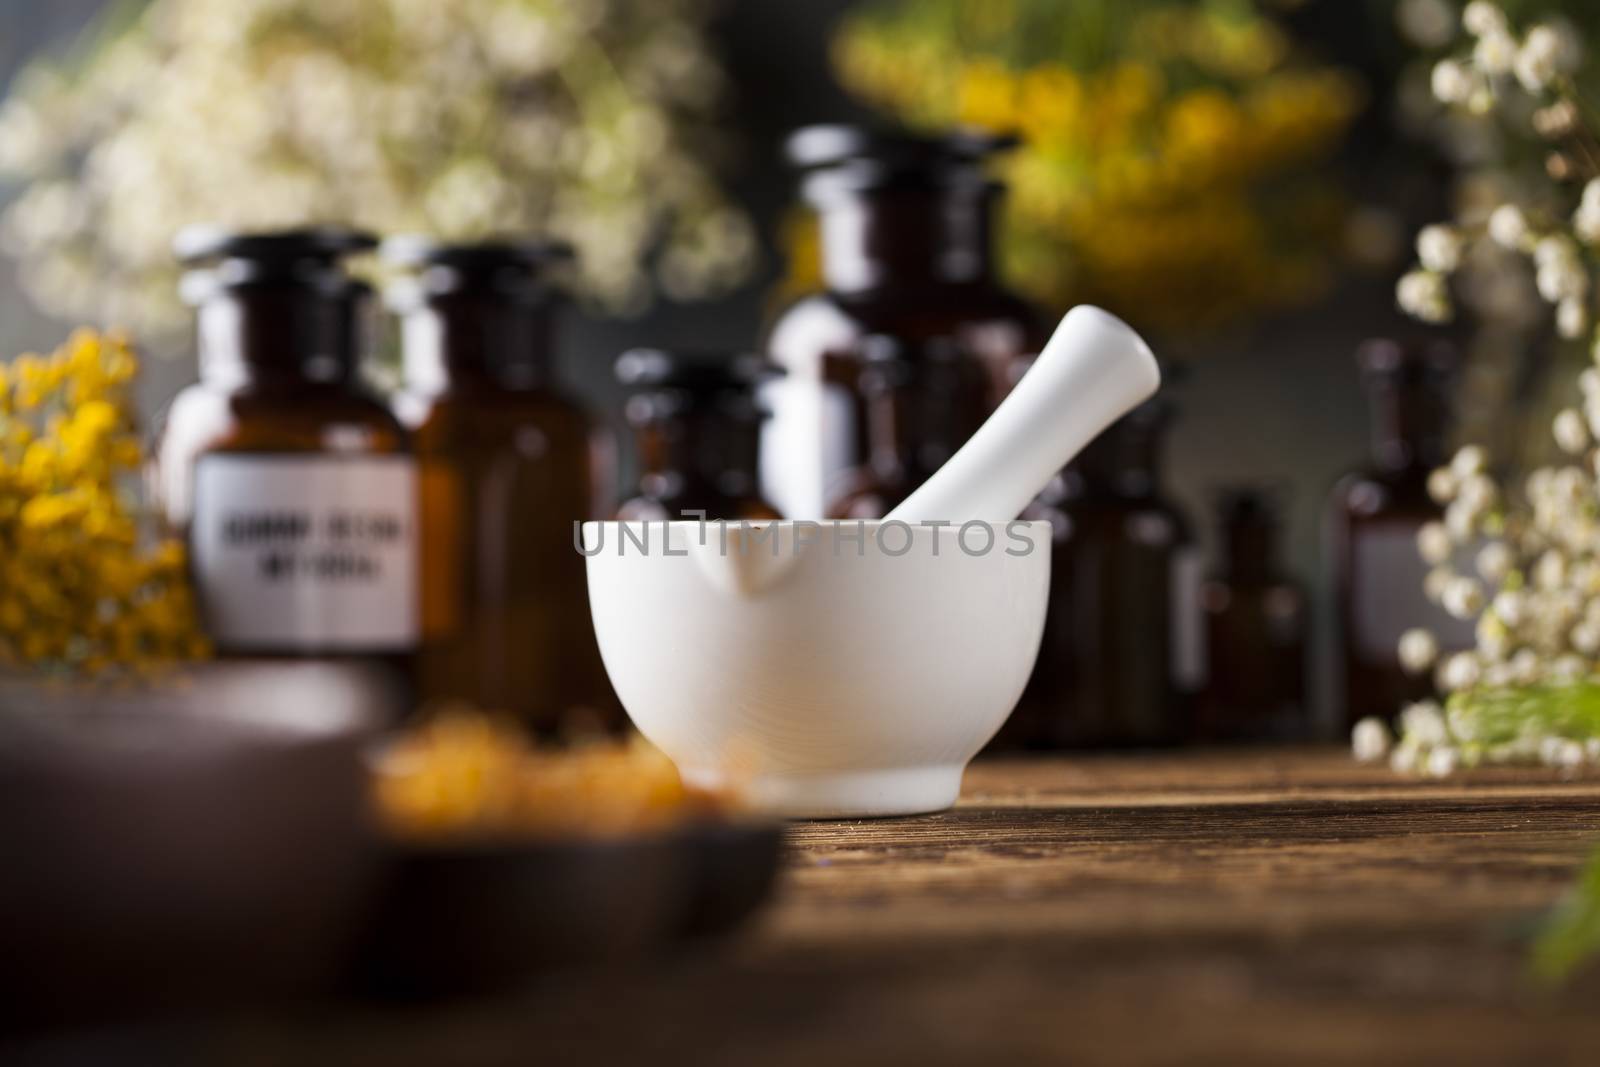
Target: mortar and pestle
{"type": "Point", "coordinates": [851, 668]}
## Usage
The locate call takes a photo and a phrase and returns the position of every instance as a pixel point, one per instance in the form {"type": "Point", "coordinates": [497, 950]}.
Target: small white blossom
{"type": "Point", "coordinates": [1585, 638]}
{"type": "Point", "coordinates": [1569, 484]}
{"type": "Point", "coordinates": [1550, 570]}
{"type": "Point", "coordinates": [1442, 485]}
{"type": "Point", "coordinates": [1554, 248]}
{"type": "Point", "coordinates": [1423, 295]}
{"type": "Point", "coordinates": [1508, 606]}
{"type": "Point", "coordinates": [1556, 120]}
{"type": "Point", "coordinates": [1561, 752]}
{"type": "Point", "coordinates": [1586, 220]}
{"type": "Point", "coordinates": [1461, 519]}
{"type": "Point", "coordinates": [1469, 460]}
{"type": "Point", "coordinates": [1495, 52]}
{"type": "Point", "coordinates": [1541, 58]}
{"type": "Point", "coordinates": [1476, 492]}
{"type": "Point", "coordinates": [1481, 17]}
{"type": "Point", "coordinates": [1442, 762]}
{"type": "Point", "coordinates": [1572, 318]}
{"type": "Point", "coordinates": [1561, 278]}
{"type": "Point", "coordinates": [1370, 740]}
{"type": "Point", "coordinates": [1418, 649]}
{"type": "Point", "coordinates": [1460, 671]}
{"type": "Point", "coordinates": [1452, 82]}
{"type": "Point", "coordinates": [1494, 561]}
{"type": "Point", "coordinates": [1433, 542]}
{"type": "Point", "coordinates": [1569, 431]}
{"type": "Point", "coordinates": [1494, 640]}
{"type": "Point", "coordinates": [1404, 757]}
{"type": "Point", "coordinates": [1436, 581]}
{"type": "Point", "coordinates": [1508, 226]}
{"type": "Point", "coordinates": [1463, 598]}
{"type": "Point", "coordinates": [1423, 723]}
{"type": "Point", "coordinates": [1439, 248]}
{"type": "Point", "coordinates": [1524, 666]}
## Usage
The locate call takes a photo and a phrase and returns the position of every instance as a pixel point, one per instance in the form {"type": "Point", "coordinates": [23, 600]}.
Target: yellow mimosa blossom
{"type": "Point", "coordinates": [1169, 147]}
{"type": "Point", "coordinates": [80, 589]}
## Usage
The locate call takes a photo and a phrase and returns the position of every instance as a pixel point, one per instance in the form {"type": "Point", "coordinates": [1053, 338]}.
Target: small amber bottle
{"type": "Point", "coordinates": [508, 464]}
{"type": "Point", "coordinates": [1372, 521]}
{"type": "Point", "coordinates": [1256, 622]}
{"type": "Point", "coordinates": [697, 425]}
{"type": "Point", "coordinates": [295, 489]}
{"type": "Point", "coordinates": [921, 407]}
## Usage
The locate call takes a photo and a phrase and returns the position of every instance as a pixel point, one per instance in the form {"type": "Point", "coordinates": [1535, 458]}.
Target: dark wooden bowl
{"type": "Point", "coordinates": [735, 868]}
{"type": "Point", "coordinates": [185, 847]}
{"type": "Point", "coordinates": [466, 918]}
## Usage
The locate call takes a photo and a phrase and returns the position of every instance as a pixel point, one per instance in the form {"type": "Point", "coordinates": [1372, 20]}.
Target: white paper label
{"type": "Point", "coordinates": [1188, 622]}
{"type": "Point", "coordinates": [307, 553]}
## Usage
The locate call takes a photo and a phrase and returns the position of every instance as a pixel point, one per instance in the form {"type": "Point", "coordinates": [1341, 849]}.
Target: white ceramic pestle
{"type": "Point", "coordinates": [1092, 371]}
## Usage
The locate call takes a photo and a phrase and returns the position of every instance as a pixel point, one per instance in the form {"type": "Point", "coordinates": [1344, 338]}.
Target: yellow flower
{"type": "Point", "coordinates": [987, 96]}
{"type": "Point", "coordinates": [1162, 142]}
{"type": "Point", "coordinates": [1051, 104]}
{"type": "Point", "coordinates": [77, 589]}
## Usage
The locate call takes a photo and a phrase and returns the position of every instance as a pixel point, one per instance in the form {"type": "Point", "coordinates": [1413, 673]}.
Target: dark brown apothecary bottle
{"type": "Point", "coordinates": [906, 227]}
{"type": "Point", "coordinates": [697, 425]}
{"type": "Point", "coordinates": [1122, 659]}
{"type": "Point", "coordinates": [1256, 621]}
{"type": "Point", "coordinates": [295, 489]}
{"type": "Point", "coordinates": [508, 463]}
{"type": "Point", "coordinates": [1372, 521]}
{"type": "Point", "coordinates": [920, 407]}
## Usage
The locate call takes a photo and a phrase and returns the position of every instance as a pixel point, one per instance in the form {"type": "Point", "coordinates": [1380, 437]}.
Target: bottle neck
{"type": "Point", "coordinates": [478, 341]}
{"type": "Point", "coordinates": [898, 236]}
{"type": "Point", "coordinates": [279, 335]}
{"type": "Point", "coordinates": [1409, 424]}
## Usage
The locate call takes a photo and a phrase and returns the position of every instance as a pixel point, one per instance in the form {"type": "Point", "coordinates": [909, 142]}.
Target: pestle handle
{"type": "Point", "coordinates": [1092, 371]}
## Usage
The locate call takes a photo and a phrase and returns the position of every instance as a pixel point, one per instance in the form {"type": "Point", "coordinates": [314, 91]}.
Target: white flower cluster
{"type": "Point", "coordinates": [1540, 63]}
{"type": "Point", "coordinates": [1537, 62]}
{"type": "Point", "coordinates": [1531, 584]}
{"type": "Point", "coordinates": [1435, 742]}
{"type": "Point", "coordinates": [583, 121]}
{"type": "Point", "coordinates": [1525, 573]}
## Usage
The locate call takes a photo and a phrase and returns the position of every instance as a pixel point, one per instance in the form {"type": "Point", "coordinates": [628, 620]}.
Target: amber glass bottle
{"type": "Point", "coordinates": [1372, 521]}
{"type": "Point", "coordinates": [906, 255]}
{"type": "Point", "coordinates": [295, 489]}
{"type": "Point", "coordinates": [1255, 619]}
{"type": "Point", "coordinates": [1123, 658]}
{"type": "Point", "coordinates": [507, 464]}
{"type": "Point", "coordinates": [920, 407]}
{"type": "Point", "coordinates": [697, 425]}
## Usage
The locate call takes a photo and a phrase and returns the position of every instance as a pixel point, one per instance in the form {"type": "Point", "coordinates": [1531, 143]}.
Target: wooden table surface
{"type": "Point", "coordinates": [1194, 907]}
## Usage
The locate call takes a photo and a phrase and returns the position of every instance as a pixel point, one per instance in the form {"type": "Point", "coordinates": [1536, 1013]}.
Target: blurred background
{"type": "Point", "coordinates": [1257, 251]}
